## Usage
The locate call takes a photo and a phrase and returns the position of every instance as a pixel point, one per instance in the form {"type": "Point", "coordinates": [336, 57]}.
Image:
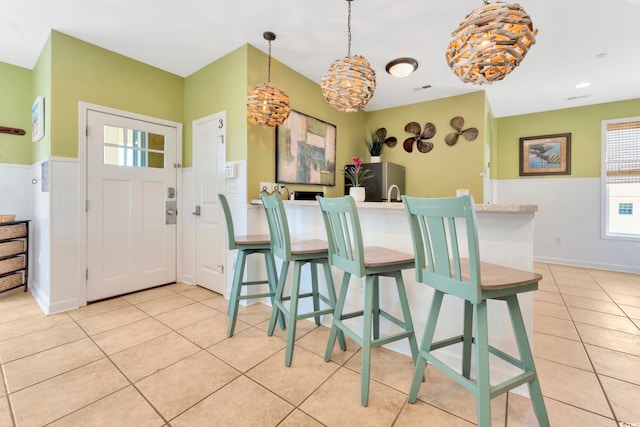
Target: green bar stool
{"type": "Point", "coordinates": [435, 225]}
{"type": "Point", "coordinates": [348, 253]}
{"type": "Point", "coordinates": [312, 252]}
{"type": "Point", "coordinates": [247, 245]}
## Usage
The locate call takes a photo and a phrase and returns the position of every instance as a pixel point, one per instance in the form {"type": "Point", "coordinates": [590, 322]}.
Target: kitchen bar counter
{"type": "Point", "coordinates": [505, 238]}
{"type": "Point", "coordinates": [399, 205]}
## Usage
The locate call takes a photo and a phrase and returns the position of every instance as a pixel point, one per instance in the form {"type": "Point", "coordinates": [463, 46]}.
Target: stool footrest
{"type": "Point", "coordinates": [254, 282]}
{"type": "Point", "coordinates": [252, 296]}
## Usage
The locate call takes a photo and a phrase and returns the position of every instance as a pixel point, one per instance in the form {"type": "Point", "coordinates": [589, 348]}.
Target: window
{"type": "Point", "coordinates": [621, 177]}
{"type": "Point", "coordinates": [625, 208]}
{"type": "Point", "coordinates": [133, 148]}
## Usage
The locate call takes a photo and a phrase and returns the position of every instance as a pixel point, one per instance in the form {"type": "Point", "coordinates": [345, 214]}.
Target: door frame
{"type": "Point", "coordinates": [83, 110]}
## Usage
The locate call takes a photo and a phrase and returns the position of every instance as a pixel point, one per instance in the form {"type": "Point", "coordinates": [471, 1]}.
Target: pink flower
{"type": "Point", "coordinates": [357, 162]}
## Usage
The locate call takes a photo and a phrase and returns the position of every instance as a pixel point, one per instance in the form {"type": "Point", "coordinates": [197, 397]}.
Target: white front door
{"type": "Point", "coordinates": [208, 166]}
{"type": "Point", "coordinates": [131, 204]}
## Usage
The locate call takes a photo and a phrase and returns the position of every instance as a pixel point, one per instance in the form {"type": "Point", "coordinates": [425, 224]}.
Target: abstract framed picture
{"type": "Point", "coordinates": [37, 119]}
{"type": "Point", "coordinates": [545, 155]}
{"type": "Point", "coordinates": [305, 151]}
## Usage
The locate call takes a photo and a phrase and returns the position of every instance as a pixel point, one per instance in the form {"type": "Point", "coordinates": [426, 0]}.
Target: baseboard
{"type": "Point", "coordinates": [587, 264]}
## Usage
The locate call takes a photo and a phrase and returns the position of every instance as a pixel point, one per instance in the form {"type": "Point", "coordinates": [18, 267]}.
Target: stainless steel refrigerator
{"type": "Point", "coordinates": [385, 174]}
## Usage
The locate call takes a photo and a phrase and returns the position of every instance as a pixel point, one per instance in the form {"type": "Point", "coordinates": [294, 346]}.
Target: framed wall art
{"type": "Point", "coordinates": [305, 151]}
{"type": "Point", "coordinates": [37, 119]}
{"type": "Point", "coordinates": [545, 155]}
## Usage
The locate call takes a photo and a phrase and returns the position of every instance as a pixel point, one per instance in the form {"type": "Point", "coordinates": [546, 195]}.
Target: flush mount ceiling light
{"type": "Point", "coordinates": [490, 42]}
{"type": "Point", "coordinates": [349, 83]}
{"type": "Point", "coordinates": [402, 67]}
{"type": "Point", "coordinates": [267, 103]}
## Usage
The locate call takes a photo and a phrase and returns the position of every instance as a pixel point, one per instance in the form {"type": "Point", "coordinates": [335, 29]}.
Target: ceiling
{"type": "Point", "coordinates": [577, 41]}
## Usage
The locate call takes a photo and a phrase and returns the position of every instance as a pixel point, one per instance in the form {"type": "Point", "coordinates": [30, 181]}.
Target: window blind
{"type": "Point", "coordinates": [623, 152]}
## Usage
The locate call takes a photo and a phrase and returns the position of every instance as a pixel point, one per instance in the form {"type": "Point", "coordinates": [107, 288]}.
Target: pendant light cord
{"type": "Point", "coordinates": [269, 68]}
{"type": "Point", "coordinates": [349, 29]}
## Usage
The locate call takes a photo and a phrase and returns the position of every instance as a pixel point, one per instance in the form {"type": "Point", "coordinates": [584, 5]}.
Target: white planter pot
{"type": "Point", "coordinates": [357, 193]}
{"type": "Point", "coordinates": [375, 159]}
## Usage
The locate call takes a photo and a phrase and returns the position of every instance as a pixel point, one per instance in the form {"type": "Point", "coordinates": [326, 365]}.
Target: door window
{"type": "Point", "coordinates": [133, 148]}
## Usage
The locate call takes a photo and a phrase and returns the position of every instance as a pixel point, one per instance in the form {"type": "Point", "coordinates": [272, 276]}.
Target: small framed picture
{"type": "Point", "coordinates": [37, 119]}
{"type": "Point", "coordinates": [545, 155]}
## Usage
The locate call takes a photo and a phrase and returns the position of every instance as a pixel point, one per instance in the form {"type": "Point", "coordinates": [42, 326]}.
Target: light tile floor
{"type": "Point", "coordinates": [161, 358]}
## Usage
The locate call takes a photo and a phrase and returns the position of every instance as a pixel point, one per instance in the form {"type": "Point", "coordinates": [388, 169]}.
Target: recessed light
{"type": "Point", "coordinates": [583, 85]}
{"type": "Point", "coordinates": [402, 67]}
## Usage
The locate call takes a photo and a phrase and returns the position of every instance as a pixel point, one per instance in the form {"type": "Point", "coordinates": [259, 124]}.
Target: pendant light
{"type": "Point", "coordinates": [490, 42]}
{"type": "Point", "coordinates": [267, 103]}
{"type": "Point", "coordinates": [349, 83]}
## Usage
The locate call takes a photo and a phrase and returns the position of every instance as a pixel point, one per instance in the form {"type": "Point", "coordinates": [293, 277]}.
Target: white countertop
{"type": "Point", "coordinates": [399, 206]}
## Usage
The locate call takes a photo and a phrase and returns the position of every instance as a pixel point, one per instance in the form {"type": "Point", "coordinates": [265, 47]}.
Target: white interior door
{"type": "Point", "coordinates": [131, 205]}
{"type": "Point", "coordinates": [208, 164]}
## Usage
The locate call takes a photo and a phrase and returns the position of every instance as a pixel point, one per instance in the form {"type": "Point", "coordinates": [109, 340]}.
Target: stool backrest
{"type": "Point", "coordinates": [278, 226]}
{"type": "Point", "coordinates": [436, 225]}
{"type": "Point", "coordinates": [231, 236]}
{"type": "Point", "coordinates": [344, 236]}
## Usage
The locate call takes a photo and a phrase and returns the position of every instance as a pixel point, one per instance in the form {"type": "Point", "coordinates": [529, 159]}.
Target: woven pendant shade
{"type": "Point", "coordinates": [349, 83]}
{"type": "Point", "coordinates": [267, 103]}
{"type": "Point", "coordinates": [490, 42]}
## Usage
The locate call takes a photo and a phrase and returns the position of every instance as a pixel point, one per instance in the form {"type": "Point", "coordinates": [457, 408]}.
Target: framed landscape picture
{"type": "Point", "coordinates": [305, 151]}
{"type": "Point", "coordinates": [545, 155]}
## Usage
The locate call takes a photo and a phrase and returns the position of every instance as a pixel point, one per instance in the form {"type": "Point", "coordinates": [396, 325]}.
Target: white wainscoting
{"type": "Point", "coordinates": [568, 223]}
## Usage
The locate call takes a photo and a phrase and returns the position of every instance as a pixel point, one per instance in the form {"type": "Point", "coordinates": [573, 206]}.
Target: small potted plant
{"type": "Point", "coordinates": [375, 145]}
{"type": "Point", "coordinates": [356, 175]}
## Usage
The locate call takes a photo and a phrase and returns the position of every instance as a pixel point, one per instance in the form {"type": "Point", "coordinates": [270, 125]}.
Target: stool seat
{"type": "Point", "coordinates": [375, 256]}
{"type": "Point", "coordinates": [253, 239]}
{"type": "Point", "coordinates": [348, 253]}
{"type": "Point", "coordinates": [435, 225]}
{"type": "Point", "coordinates": [309, 247]}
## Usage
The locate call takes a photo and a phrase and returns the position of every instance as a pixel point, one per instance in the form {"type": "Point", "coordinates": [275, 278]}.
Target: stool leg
{"type": "Point", "coordinates": [315, 291]}
{"type": "Point", "coordinates": [337, 316]}
{"type": "Point", "coordinates": [236, 289]}
{"type": "Point", "coordinates": [369, 291]}
{"type": "Point", "coordinates": [328, 278]}
{"type": "Point", "coordinates": [425, 345]}
{"type": "Point", "coordinates": [272, 278]}
{"type": "Point", "coordinates": [293, 312]}
{"type": "Point", "coordinates": [375, 309]}
{"type": "Point", "coordinates": [527, 360]}
{"type": "Point", "coordinates": [278, 308]}
{"type": "Point", "coordinates": [467, 338]}
{"type": "Point", "coordinates": [483, 385]}
{"type": "Point", "coordinates": [406, 313]}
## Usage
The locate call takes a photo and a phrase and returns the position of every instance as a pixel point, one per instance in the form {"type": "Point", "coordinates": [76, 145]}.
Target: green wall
{"type": "Point", "coordinates": [306, 97]}
{"type": "Point", "coordinates": [41, 86]}
{"type": "Point", "coordinates": [15, 112]}
{"type": "Point", "coordinates": [445, 168]}
{"type": "Point", "coordinates": [582, 122]}
{"type": "Point", "coordinates": [85, 72]}
{"type": "Point", "coordinates": [69, 70]}
{"type": "Point", "coordinates": [220, 86]}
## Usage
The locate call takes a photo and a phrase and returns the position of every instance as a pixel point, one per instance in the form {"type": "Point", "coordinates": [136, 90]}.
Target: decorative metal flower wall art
{"type": "Point", "coordinates": [419, 137]}
{"type": "Point", "coordinates": [381, 134]}
{"type": "Point", "coordinates": [458, 123]}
